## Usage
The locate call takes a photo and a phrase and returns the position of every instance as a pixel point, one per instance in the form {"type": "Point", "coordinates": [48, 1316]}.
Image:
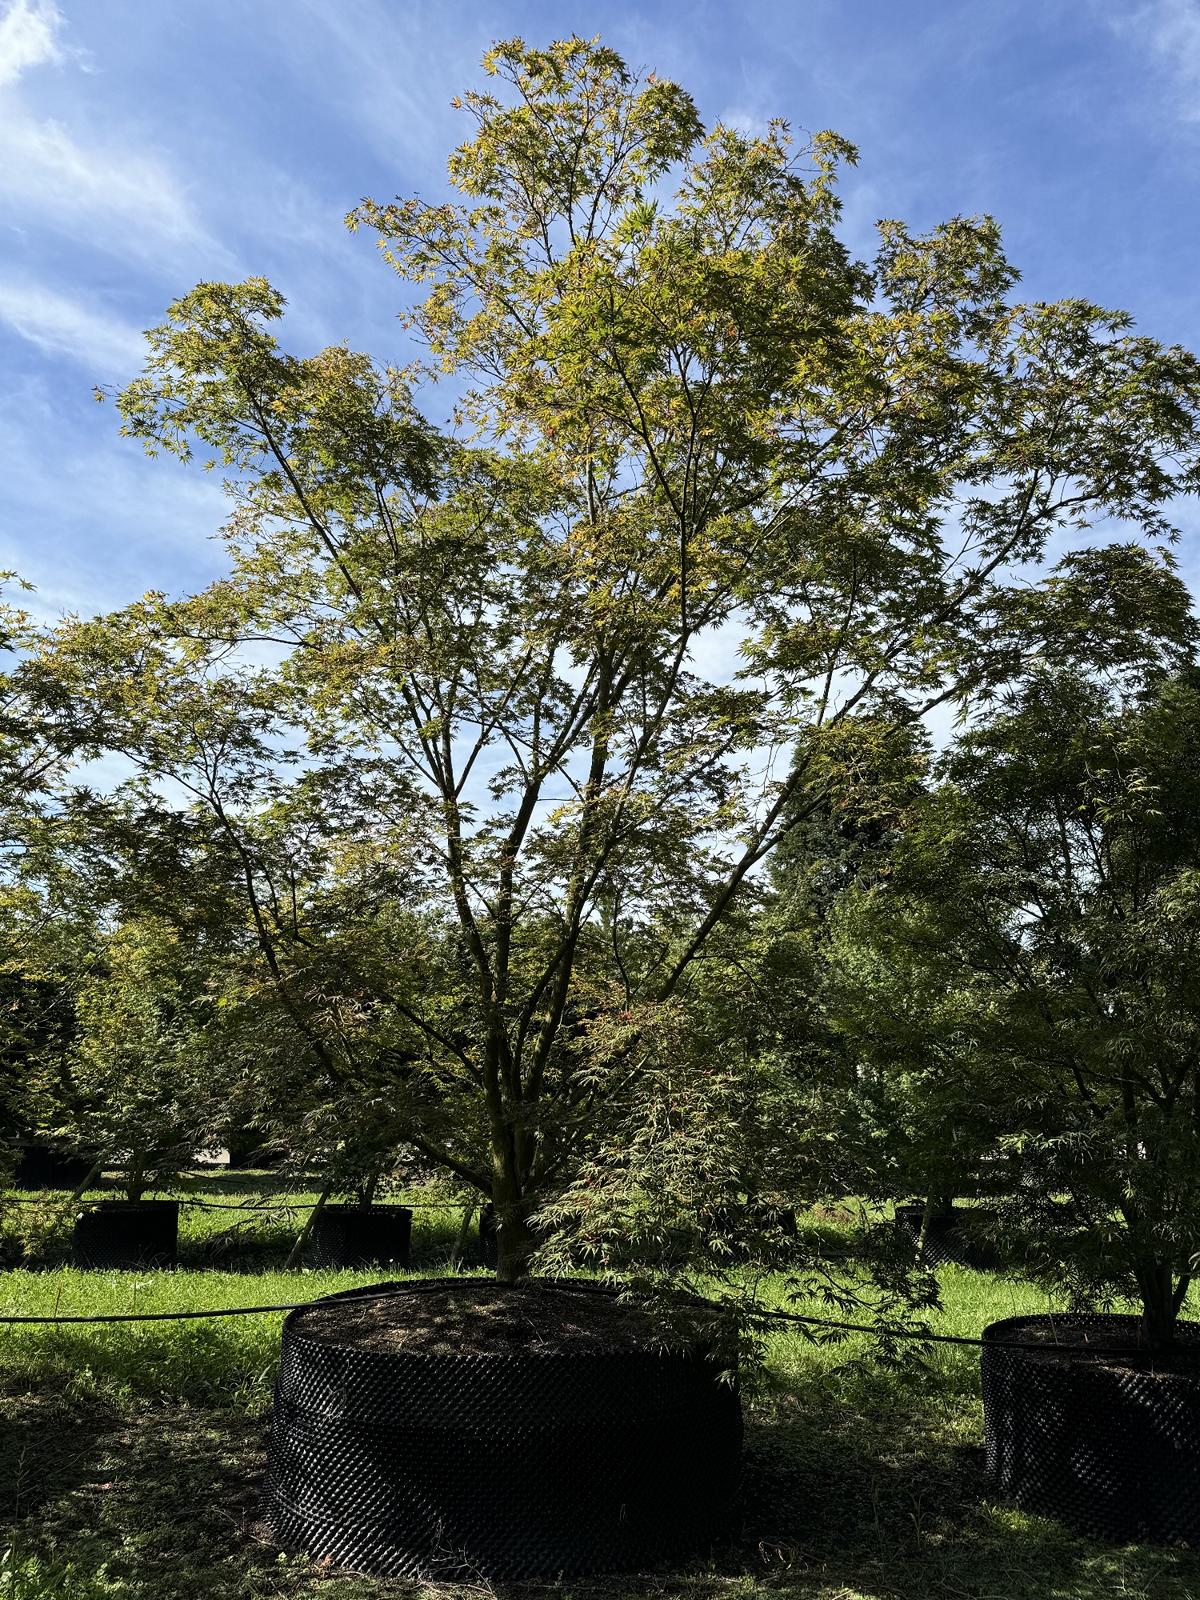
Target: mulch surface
{"type": "Point", "coordinates": [469, 1316]}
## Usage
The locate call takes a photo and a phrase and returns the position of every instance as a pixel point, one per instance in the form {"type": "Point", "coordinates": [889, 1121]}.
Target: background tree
{"type": "Point", "coordinates": [139, 1088]}
{"type": "Point", "coordinates": [1050, 894]}
{"type": "Point", "coordinates": [36, 1014]}
{"type": "Point", "coordinates": [701, 434]}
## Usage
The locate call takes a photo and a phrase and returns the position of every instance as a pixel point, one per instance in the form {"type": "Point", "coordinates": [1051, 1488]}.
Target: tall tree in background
{"type": "Point", "coordinates": [725, 509]}
{"type": "Point", "coordinates": [35, 751]}
{"type": "Point", "coordinates": [1030, 962]}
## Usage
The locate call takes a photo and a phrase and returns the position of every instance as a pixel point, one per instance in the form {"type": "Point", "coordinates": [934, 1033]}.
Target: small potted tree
{"type": "Point", "coordinates": [135, 1088]}
{"type": "Point", "coordinates": [362, 1230]}
{"type": "Point", "coordinates": [354, 1143]}
{"type": "Point", "coordinates": [1055, 878]}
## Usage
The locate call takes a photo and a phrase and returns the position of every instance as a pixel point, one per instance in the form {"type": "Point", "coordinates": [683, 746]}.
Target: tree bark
{"type": "Point", "coordinates": [135, 1179]}
{"type": "Point", "coordinates": [514, 1237]}
{"type": "Point", "coordinates": [96, 1169]}
{"type": "Point", "coordinates": [464, 1233]}
{"type": "Point", "coordinates": [1159, 1308]}
{"type": "Point", "coordinates": [294, 1258]}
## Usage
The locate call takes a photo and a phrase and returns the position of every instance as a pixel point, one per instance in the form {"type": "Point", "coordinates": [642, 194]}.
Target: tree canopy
{"type": "Point", "coordinates": [494, 728]}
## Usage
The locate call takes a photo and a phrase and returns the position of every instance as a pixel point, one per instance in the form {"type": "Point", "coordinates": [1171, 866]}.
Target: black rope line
{"type": "Point", "coordinates": [914, 1333]}
{"type": "Point", "coordinates": [192, 1316]}
{"type": "Point", "coordinates": [346, 1297]}
{"type": "Point", "coordinates": [298, 1205]}
{"type": "Point", "coordinates": [233, 1205]}
{"type": "Point", "coordinates": [417, 1286]}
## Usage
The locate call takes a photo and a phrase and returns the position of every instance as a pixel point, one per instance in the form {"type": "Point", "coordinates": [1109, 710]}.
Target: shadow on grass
{"type": "Point", "coordinates": [870, 1483]}
{"type": "Point", "coordinates": [864, 1485]}
{"type": "Point", "coordinates": [46, 1443]}
{"type": "Point", "coordinates": [152, 1502]}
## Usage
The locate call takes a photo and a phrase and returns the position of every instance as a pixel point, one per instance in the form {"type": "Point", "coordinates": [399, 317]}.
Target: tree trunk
{"type": "Point", "coordinates": [96, 1169]}
{"type": "Point", "coordinates": [464, 1233]}
{"type": "Point", "coordinates": [514, 1238]}
{"type": "Point", "coordinates": [1159, 1306]}
{"type": "Point", "coordinates": [936, 1205]}
{"type": "Point", "coordinates": [514, 1245]}
{"type": "Point", "coordinates": [510, 1171]}
{"type": "Point", "coordinates": [297, 1249]}
{"type": "Point", "coordinates": [135, 1178]}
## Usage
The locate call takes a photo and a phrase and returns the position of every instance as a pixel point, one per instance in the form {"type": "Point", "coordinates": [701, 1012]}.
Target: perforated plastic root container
{"type": "Point", "coordinates": [1110, 1447]}
{"type": "Point", "coordinates": [947, 1241]}
{"type": "Point", "coordinates": [361, 1236]}
{"type": "Point", "coordinates": [126, 1235]}
{"type": "Point", "coordinates": [532, 1463]}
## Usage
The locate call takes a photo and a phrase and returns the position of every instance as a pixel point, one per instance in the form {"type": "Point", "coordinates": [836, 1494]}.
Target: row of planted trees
{"type": "Point", "coordinates": [552, 798]}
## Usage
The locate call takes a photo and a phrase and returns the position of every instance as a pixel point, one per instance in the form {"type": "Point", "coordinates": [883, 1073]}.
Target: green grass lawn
{"type": "Point", "coordinates": [131, 1459]}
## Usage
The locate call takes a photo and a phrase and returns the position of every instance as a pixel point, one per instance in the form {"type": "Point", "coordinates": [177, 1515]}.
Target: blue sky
{"type": "Point", "coordinates": [144, 146]}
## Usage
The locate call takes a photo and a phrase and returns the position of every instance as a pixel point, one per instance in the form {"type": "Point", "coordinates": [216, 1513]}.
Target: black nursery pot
{"type": "Point", "coordinates": [361, 1236]}
{"type": "Point", "coordinates": [1109, 1445]}
{"type": "Point", "coordinates": [126, 1235]}
{"type": "Point", "coordinates": [515, 1462]}
{"type": "Point", "coordinates": [42, 1167]}
{"type": "Point", "coordinates": [251, 1148]}
{"type": "Point", "coordinates": [947, 1241]}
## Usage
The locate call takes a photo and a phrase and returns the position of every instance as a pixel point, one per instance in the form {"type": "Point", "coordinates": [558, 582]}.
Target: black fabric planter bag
{"type": "Point", "coordinates": [947, 1242]}
{"type": "Point", "coordinates": [1111, 1450]}
{"type": "Point", "coordinates": [361, 1236]}
{"type": "Point", "coordinates": [126, 1235]}
{"type": "Point", "coordinates": [514, 1465]}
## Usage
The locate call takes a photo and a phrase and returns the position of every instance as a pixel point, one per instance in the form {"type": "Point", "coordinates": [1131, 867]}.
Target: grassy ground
{"type": "Point", "coordinates": [131, 1461]}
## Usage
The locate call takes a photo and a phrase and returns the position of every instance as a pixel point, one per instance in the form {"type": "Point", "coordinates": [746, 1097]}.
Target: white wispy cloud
{"type": "Point", "coordinates": [750, 121]}
{"type": "Point", "coordinates": [120, 196]}
{"type": "Point", "coordinates": [86, 517]}
{"type": "Point", "coordinates": [29, 37]}
{"type": "Point", "coordinates": [60, 325]}
{"type": "Point", "coordinates": [392, 68]}
{"type": "Point", "coordinates": [127, 202]}
{"type": "Point", "coordinates": [1168, 31]}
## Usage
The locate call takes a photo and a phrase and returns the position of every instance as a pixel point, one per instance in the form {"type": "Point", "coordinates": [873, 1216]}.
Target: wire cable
{"type": "Point", "coordinates": [913, 1334]}
{"type": "Point", "coordinates": [229, 1205]}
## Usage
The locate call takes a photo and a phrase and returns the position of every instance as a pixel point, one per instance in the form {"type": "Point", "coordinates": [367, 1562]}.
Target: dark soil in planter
{"type": "Point", "coordinates": [126, 1235]}
{"type": "Point", "coordinates": [949, 1238]}
{"type": "Point", "coordinates": [471, 1429]}
{"type": "Point", "coordinates": [458, 1317]}
{"type": "Point", "coordinates": [1092, 1430]}
{"type": "Point", "coordinates": [361, 1236]}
